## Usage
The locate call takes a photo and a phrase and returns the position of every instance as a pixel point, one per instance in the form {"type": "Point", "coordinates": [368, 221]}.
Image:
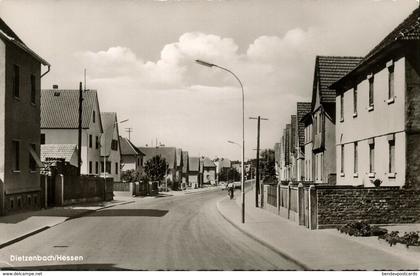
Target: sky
{"type": "Point", "coordinates": [139, 56]}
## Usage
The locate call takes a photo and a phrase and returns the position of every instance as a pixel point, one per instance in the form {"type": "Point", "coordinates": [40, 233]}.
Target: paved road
{"type": "Point", "coordinates": [183, 232]}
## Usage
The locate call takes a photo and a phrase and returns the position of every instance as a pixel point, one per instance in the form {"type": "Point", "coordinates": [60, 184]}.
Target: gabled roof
{"type": "Point", "coordinates": [184, 161]}
{"type": "Point", "coordinates": [178, 157]}
{"type": "Point", "coordinates": [66, 152]}
{"type": "Point", "coordinates": [207, 162]}
{"type": "Point", "coordinates": [128, 148]}
{"type": "Point", "coordinates": [60, 108]}
{"type": "Point", "coordinates": [109, 123]}
{"type": "Point", "coordinates": [7, 34]}
{"type": "Point", "coordinates": [408, 30]}
{"type": "Point", "coordinates": [169, 153]}
{"type": "Point", "coordinates": [302, 108]}
{"type": "Point", "coordinates": [328, 69]}
{"type": "Point", "coordinates": [194, 164]}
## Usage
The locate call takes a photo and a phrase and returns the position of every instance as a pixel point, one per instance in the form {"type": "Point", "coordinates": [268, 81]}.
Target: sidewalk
{"type": "Point", "coordinates": [16, 227]}
{"type": "Point", "coordinates": [312, 249]}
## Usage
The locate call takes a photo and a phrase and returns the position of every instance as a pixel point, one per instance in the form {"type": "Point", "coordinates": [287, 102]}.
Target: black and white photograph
{"type": "Point", "coordinates": [209, 136]}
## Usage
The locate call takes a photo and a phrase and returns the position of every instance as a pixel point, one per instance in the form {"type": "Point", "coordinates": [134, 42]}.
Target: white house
{"type": "Point", "coordinates": [110, 146]}
{"type": "Point", "coordinates": [378, 113]}
{"type": "Point", "coordinates": [131, 156]}
{"type": "Point", "coordinates": [60, 121]}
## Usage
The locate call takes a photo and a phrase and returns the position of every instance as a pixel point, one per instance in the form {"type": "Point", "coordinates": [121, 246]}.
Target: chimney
{"type": "Point", "coordinates": [55, 86]}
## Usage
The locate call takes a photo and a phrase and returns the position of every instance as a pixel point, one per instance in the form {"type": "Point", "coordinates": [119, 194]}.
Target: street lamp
{"type": "Point", "coordinates": [207, 64]}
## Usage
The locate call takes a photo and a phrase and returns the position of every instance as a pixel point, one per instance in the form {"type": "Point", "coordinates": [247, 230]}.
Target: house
{"type": "Point", "coordinates": [67, 153]}
{"type": "Point", "coordinates": [308, 158]}
{"type": "Point", "coordinates": [179, 165]}
{"type": "Point", "coordinates": [20, 83]}
{"type": "Point", "coordinates": [131, 156]}
{"type": "Point", "coordinates": [287, 163]}
{"type": "Point", "coordinates": [328, 69]}
{"type": "Point", "coordinates": [292, 149]}
{"type": "Point", "coordinates": [168, 153]}
{"type": "Point", "coordinates": [194, 175]}
{"type": "Point", "coordinates": [208, 171]}
{"type": "Point", "coordinates": [110, 146]}
{"type": "Point", "coordinates": [221, 163]}
{"type": "Point", "coordinates": [185, 169]}
{"type": "Point", "coordinates": [277, 158]}
{"type": "Point", "coordinates": [60, 122]}
{"type": "Point", "coordinates": [378, 112]}
{"type": "Point", "coordinates": [302, 108]}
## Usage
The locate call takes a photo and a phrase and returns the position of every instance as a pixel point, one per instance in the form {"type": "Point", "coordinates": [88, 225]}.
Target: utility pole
{"type": "Point", "coordinates": [257, 173]}
{"type": "Point", "coordinates": [129, 130]}
{"type": "Point", "coordinates": [79, 138]}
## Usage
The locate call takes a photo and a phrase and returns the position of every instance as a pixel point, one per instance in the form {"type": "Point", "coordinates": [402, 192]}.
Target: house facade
{"type": "Point", "coordinates": [194, 175]}
{"type": "Point", "coordinates": [131, 156]}
{"type": "Point", "coordinates": [208, 171]}
{"type": "Point", "coordinates": [302, 108]}
{"type": "Point", "coordinates": [60, 122]}
{"type": "Point", "coordinates": [20, 83]}
{"type": "Point", "coordinates": [328, 69]}
{"type": "Point", "coordinates": [110, 146]}
{"type": "Point", "coordinates": [378, 113]}
{"type": "Point", "coordinates": [185, 169]}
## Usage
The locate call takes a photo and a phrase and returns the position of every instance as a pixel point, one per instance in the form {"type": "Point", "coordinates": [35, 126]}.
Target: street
{"type": "Point", "coordinates": [183, 232]}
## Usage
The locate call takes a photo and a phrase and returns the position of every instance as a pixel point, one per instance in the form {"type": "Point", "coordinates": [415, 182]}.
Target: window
{"type": "Point", "coordinates": [371, 91]}
{"type": "Point", "coordinates": [355, 100]}
{"type": "Point", "coordinates": [32, 163]}
{"type": "Point", "coordinates": [355, 164]}
{"type": "Point", "coordinates": [94, 116]}
{"type": "Point", "coordinates": [114, 145]}
{"type": "Point", "coordinates": [42, 138]}
{"type": "Point", "coordinates": [372, 157]}
{"type": "Point", "coordinates": [391, 82]}
{"type": "Point", "coordinates": [116, 168]}
{"type": "Point", "coordinates": [33, 89]}
{"type": "Point", "coordinates": [90, 141]}
{"type": "Point", "coordinates": [96, 142]}
{"type": "Point", "coordinates": [16, 80]}
{"type": "Point", "coordinates": [96, 167]}
{"type": "Point", "coordinates": [391, 145]}
{"type": "Point", "coordinates": [108, 167]}
{"type": "Point", "coordinates": [342, 107]}
{"type": "Point", "coordinates": [90, 167]}
{"type": "Point", "coordinates": [102, 167]}
{"type": "Point", "coordinates": [342, 159]}
{"type": "Point", "coordinates": [16, 154]}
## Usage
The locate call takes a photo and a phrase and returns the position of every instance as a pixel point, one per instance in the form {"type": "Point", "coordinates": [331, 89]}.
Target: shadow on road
{"type": "Point", "coordinates": [130, 213]}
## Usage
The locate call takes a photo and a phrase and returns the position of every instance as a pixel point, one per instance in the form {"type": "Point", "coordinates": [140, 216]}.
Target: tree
{"type": "Point", "coordinates": [268, 165]}
{"type": "Point", "coordinates": [156, 168]}
{"type": "Point", "coordinates": [130, 176]}
{"type": "Point", "coordinates": [229, 174]}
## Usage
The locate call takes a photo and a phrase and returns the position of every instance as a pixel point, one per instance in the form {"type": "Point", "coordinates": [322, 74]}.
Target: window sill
{"type": "Point", "coordinates": [342, 174]}
{"type": "Point", "coordinates": [15, 171]}
{"type": "Point", "coordinates": [371, 175]}
{"type": "Point", "coordinates": [342, 120]}
{"type": "Point", "coordinates": [355, 175]}
{"type": "Point", "coordinates": [391, 100]}
{"type": "Point", "coordinates": [355, 115]}
{"type": "Point", "coordinates": [392, 175]}
{"type": "Point", "coordinates": [33, 172]}
{"type": "Point", "coordinates": [370, 108]}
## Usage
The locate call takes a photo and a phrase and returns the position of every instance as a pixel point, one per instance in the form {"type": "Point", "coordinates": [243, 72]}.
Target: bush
{"type": "Point", "coordinates": [409, 239]}
{"type": "Point", "coordinates": [361, 229]}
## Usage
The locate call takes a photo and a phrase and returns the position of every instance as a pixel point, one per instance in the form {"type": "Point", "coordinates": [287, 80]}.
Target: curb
{"type": "Point", "coordinates": [200, 192]}
{"type": "Point", "coordinates": [42, 229]}
{"type": "Point", "coordinates": [254, 237]}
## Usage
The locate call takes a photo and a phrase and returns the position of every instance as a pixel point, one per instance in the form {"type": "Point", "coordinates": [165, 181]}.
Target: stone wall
{"type": "Point", "coordinates": [412, 117]}
{"type": "Point", "coordinates": [382, 205]}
